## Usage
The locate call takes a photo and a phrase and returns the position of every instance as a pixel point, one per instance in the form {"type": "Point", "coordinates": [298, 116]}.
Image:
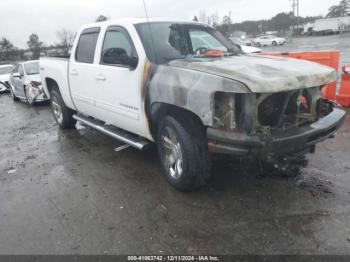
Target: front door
{"type": "Point", "coordinates": [118, 81]}
{"type": "Point", "coordinates": [17, 81]}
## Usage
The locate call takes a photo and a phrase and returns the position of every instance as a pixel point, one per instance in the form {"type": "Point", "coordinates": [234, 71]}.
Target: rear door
{"type": "Point", "coordinates": [82, 71]}
{"type": "Point", "coordinates": [18, 82]}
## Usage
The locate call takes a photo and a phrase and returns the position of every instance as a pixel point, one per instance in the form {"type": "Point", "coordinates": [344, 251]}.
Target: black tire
{"type": "Point", "coordinates": [258, 44]}
{"type": "Point", "coordinates": [65, 120]}
{"type": "Point", "coordinates": [14, 97]}
{"type": "Point", "coordinates": [192, 141]}
{"type": "Point", "coordinates": [274, 43]}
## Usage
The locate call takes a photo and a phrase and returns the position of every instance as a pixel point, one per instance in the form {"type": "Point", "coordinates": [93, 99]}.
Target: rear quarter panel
{"type": "Point", "coordinates": [57, 70]}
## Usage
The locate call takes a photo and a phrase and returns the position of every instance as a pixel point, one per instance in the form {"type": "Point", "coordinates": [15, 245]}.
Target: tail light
{"type": "Point", "coordinates": [35, 84]}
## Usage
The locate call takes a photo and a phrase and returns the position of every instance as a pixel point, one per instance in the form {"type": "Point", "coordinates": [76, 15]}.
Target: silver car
{"type": "Point", "coordinates": [5, 71]}
{"type": "Point", "coordinates": [26, 84]}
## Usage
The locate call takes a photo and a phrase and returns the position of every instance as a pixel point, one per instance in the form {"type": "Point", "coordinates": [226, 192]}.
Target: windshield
{"type": "Point", "coordinates": [32, 68]}
{"type": "Point", "coordinates": [5, 70]}
{"type": "Point", "coordinates": [170, 41]}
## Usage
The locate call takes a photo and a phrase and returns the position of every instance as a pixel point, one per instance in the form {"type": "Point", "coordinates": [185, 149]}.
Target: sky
{"type": "Point", "coordinates": [20, 18]}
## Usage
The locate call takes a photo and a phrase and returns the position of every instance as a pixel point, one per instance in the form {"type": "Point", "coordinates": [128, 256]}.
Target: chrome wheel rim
{"type": "Point", "coordinates": [57, 110]}
{"type": "Point", "coordinates": [173, 152]}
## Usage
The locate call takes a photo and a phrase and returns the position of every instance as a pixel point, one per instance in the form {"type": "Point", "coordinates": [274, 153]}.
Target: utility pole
{"type": "Point", "coordinates": [298, 18]}
{"type": "Point", "coordinates": [293, 17]}
{"type": "Point", "coordinates": [229, 26]}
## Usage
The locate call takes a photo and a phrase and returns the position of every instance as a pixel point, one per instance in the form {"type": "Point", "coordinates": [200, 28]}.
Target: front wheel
{"type": "Point", "coordinates": [274, 43]}
{"type": "Point", "coordinates": [183, 151]}
{"type": "Point", "coordinates": [62, 114]}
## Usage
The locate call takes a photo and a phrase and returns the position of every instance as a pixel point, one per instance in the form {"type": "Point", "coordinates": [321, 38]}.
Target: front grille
{"type": "Point", "coordinates": [288, 109]}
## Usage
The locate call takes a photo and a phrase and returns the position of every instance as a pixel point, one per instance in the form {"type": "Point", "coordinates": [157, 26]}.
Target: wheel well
{"type": "Point", "coordinates": [159, 110]}
{"type": "Point", "coordinates": [51, 84]}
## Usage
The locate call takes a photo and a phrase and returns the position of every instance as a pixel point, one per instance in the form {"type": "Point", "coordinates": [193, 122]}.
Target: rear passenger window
{"type": "Point", "coordinates": [86, 46]}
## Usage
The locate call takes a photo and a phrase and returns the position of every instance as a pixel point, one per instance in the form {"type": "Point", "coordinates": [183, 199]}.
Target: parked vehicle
{"type": "Point", "coordinates": [246, 49]}
{"type": "Point", "coordinates": [5, 71]}
{"type": "Point", "coordinates": [326, 26]}
{"type": "Point", "coordinates": [144, 81]}
{"type": "Point", "coordinates": [26, 84]}
{"type": "Point", "coordinates": [269, 40]}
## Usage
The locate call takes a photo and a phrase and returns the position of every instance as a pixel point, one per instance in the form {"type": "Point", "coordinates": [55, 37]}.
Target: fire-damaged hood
{"type": "Point", "coordinates": [263, 74]}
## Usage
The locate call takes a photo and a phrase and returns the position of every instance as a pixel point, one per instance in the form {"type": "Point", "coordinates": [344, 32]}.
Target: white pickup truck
{"type": "Point", "coordinates": [143, 81]}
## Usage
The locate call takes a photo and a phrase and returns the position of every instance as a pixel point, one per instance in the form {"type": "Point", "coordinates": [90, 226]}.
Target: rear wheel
{"type": "Point", "coordinates": [183, 152]}
{"type": "Point", "coordinates": [62, 114]}
{"type": "Point", "coordinates": [274, 43]}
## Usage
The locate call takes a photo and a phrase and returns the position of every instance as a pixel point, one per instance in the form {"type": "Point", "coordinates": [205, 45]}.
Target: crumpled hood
{"type": "Point", "coordinates": [34, 78]}
{"type": "Point", "coordinates": [263, 74]}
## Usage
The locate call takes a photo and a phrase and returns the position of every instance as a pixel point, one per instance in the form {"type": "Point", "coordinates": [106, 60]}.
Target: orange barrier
{"type": "Point", "coordinates": [343, 96]}
{"type": "Point", "coordinates": [328, 58]}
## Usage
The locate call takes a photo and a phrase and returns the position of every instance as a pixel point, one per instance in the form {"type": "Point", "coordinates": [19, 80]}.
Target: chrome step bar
{"type": "Point", "coordinates": [121, 135]}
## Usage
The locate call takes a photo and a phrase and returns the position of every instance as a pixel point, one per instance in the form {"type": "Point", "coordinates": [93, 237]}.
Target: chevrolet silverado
{"type": "Point", "coordinates": [193, 92]}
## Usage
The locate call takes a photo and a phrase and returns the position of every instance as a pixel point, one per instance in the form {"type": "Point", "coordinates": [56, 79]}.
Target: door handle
{"type": "Point", "coordinates": [100, 77]}
{"type": "Point", "coordinates": [74, 72]}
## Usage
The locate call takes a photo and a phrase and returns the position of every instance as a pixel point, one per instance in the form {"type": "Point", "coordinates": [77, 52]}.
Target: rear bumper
{"type": "Point", "coordinates": [302, 139]}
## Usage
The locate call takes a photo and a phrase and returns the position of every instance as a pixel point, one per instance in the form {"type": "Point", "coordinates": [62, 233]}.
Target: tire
{"type": "Point", "coordinates": [14, 97]}
{"type": "Point", "coordinates": [62, 114]}
{"type": "Point", "coordinates": [188, 152]}
{"type": "Point", "coordinates": [258, 44]}
{"type": "Point", "coordinates": [29, 100]}
{"type": "Point", "coordinates": [274, 43]}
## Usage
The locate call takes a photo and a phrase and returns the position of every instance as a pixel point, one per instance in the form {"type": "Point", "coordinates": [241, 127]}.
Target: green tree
{"type": "Point", "coordinates": [101, 18]}
{"type": "Point", "coordinates": [6, 45]}
{"type": "Point", "coordinates": [342, 9]}
{"type": "Point", "coordinates": [35, 45]}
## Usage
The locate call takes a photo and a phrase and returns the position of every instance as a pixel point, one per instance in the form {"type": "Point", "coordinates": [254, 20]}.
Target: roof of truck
{"type": "Point", "coordinates": [140, 20]}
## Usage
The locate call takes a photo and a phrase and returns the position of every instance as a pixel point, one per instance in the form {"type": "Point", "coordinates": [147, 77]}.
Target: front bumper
{"type": "Point", "coordinates": [299, 140]}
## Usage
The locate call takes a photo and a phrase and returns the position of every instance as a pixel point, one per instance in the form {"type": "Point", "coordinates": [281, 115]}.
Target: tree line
{"type": "Point", "coordinates": [280, 22]}
{"type": "Point", "coordinates": [9, 52]}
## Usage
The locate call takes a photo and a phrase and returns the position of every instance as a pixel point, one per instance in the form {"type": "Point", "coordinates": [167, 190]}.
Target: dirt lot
{"type": "Point", "coordinates": [71, 193]}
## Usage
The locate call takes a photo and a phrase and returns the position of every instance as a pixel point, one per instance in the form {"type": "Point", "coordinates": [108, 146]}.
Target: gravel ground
{"type": "Point", "coordinates": [69, 192]}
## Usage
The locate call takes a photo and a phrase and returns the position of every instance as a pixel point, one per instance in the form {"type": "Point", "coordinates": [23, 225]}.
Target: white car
{"type": "Point", "coordinates": [244, 47]}
{"type": "Point", "coordinates": [269, 40]}
{"type": "Point", "coordinates": [25, 83]}
{"type": "Point", "coordinates": [5, 71]}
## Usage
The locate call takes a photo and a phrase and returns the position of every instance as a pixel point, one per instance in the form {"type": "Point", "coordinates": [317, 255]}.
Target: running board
{"type": "Point", "coordinates": [117, 133]}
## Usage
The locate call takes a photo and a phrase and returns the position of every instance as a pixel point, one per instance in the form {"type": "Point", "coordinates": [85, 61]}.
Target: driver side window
{"type": "Point", "coordinates": [117, 47]}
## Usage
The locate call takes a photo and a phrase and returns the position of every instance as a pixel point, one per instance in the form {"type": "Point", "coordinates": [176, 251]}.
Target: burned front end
{"type": "Point", "coordinates": [272, 125]}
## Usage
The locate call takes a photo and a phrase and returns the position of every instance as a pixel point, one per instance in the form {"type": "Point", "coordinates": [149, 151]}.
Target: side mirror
{"type": "Point", "coordinates": [16, 75]}
{"type": "Point", "coordinates": [119, 56]}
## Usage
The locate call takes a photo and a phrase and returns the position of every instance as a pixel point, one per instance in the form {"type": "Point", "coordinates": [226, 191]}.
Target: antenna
{"type": "Point", "coordinates": [150, 31]}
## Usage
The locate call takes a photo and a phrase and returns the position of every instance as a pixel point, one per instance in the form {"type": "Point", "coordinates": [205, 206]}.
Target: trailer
{"type": "Point", "coordinates": [331, 25]}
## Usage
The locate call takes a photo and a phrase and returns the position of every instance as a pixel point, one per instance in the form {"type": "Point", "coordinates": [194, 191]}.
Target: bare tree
{"type": "Point", "coordinates": [214, 19]}
{"type": "Point", "coordinates": [202, 16]}
{"type": "Point", "coordinates": [66, 39]}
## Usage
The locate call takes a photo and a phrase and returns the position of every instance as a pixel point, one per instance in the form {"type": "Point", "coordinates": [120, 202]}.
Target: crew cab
{"type": "Point", "coordinates": [143, 81]}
